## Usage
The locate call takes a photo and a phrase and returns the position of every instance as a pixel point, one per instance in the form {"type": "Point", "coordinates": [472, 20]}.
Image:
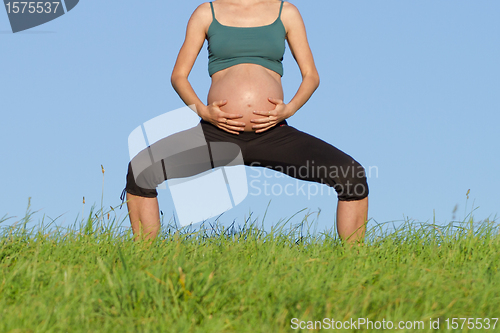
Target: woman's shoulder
{"type": "Point", "coordinates": [203, 9]}
{"type": "Point", "coordinates": [290, 15]}
{"type": "Point", "coordinates": [202, 14]}
{"type": "Point", "coordinates": [289, 9]}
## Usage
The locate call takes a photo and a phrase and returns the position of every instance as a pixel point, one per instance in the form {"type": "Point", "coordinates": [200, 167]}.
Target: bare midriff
{"type": "Point", "coordinates": [246, 87]}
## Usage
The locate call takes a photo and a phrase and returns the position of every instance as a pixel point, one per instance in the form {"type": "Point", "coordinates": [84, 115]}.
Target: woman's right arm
{"type": "Point", "coordinates": [195, 37]}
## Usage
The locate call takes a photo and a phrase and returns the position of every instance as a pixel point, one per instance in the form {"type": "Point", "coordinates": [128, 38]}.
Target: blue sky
{"type": "Point", "coordinates": [409, 88]}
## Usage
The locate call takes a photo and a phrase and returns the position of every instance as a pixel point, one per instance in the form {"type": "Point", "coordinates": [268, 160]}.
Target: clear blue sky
{"type": "Point", "coordinates": [409, 88]}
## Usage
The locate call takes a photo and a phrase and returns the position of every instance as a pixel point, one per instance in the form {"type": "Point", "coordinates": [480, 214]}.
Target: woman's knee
{"type": "Point", "coordinates": [134, 189]}
{"type": "Point", "coordinates": [351, 182]}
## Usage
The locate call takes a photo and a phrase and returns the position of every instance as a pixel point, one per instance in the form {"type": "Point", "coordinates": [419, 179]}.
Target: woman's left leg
{"type": "Point", "coordinates": [303, 156]}
{"type": "Point", "coordinates": [351, 219]}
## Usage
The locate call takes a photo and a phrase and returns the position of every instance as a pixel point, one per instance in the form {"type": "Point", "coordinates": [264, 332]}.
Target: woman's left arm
{"type": "Point", "coordinates": [299, 47]}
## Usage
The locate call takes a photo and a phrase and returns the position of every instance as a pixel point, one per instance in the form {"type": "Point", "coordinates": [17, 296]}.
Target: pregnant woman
{"type": "Point", "coordinates": [246, 43]}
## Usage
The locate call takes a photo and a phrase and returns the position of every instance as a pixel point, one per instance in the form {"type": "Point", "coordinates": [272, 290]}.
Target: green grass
{"type": "Point", "coordinates": [92, 277]}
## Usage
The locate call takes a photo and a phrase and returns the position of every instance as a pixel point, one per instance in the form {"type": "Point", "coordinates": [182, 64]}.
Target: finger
{"type": "Point", "coordinates": [224, 128]}
{"type": "Point", "coordinates": [231, 115]}
{"type": "Point", "coordinates": [264, 125]}
{"type": "Point", "coordinates": [265, 120]}
{"type": "Point", "coordinates": [236, 123]}
{"type": "Point", "coordinates": [263, 129]}
{"type": "Point", "coordinates": [233, 127]}
{"type": "Point", "coordinates": [275, 100]}
{"type": "Point", "coordinates": [220, 103]}
{"type": "Point", "coordinates": [266, 113]}
{"type": "Point", "coordinates": [236, 129]}
{"type": "Point", "coordinates": [226, 121]}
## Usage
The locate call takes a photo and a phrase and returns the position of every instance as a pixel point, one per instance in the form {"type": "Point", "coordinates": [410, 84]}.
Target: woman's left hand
{"type": "Point", "coordinates": [272, 117]}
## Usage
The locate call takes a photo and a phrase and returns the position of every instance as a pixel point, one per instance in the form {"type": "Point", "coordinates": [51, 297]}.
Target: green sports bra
{"type": "Point", "coordinates": [229, 46]}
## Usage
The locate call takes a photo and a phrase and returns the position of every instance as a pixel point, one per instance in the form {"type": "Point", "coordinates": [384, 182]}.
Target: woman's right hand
{"type": "Point", "coordinates": [223, 120]}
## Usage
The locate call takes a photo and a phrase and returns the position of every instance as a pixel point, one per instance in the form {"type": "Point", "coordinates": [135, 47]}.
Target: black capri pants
{"type": "Point", "coordinates": [281, 148]}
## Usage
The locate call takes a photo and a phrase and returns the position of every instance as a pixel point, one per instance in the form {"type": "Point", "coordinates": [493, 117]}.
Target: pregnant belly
{"type": "Point", "coordinates": [246, 87]}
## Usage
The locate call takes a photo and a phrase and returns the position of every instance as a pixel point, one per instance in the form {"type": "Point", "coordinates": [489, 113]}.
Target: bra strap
{"type": "Point", "coordinates": [213, 13]}
{"type": "Point", "coordinates": [281, 7]}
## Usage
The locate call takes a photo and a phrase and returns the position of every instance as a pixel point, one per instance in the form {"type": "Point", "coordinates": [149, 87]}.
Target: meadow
{"type": "Point", "coordinates": [92, 277]}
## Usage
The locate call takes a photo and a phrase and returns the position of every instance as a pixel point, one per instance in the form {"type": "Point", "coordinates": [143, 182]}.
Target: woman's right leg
{"type": "Point", "coordinates": [142, 200]}
{"type": "Point", "coordinates": [144, 216]}
{"type": "Point", "coordinates": [143, 209]}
